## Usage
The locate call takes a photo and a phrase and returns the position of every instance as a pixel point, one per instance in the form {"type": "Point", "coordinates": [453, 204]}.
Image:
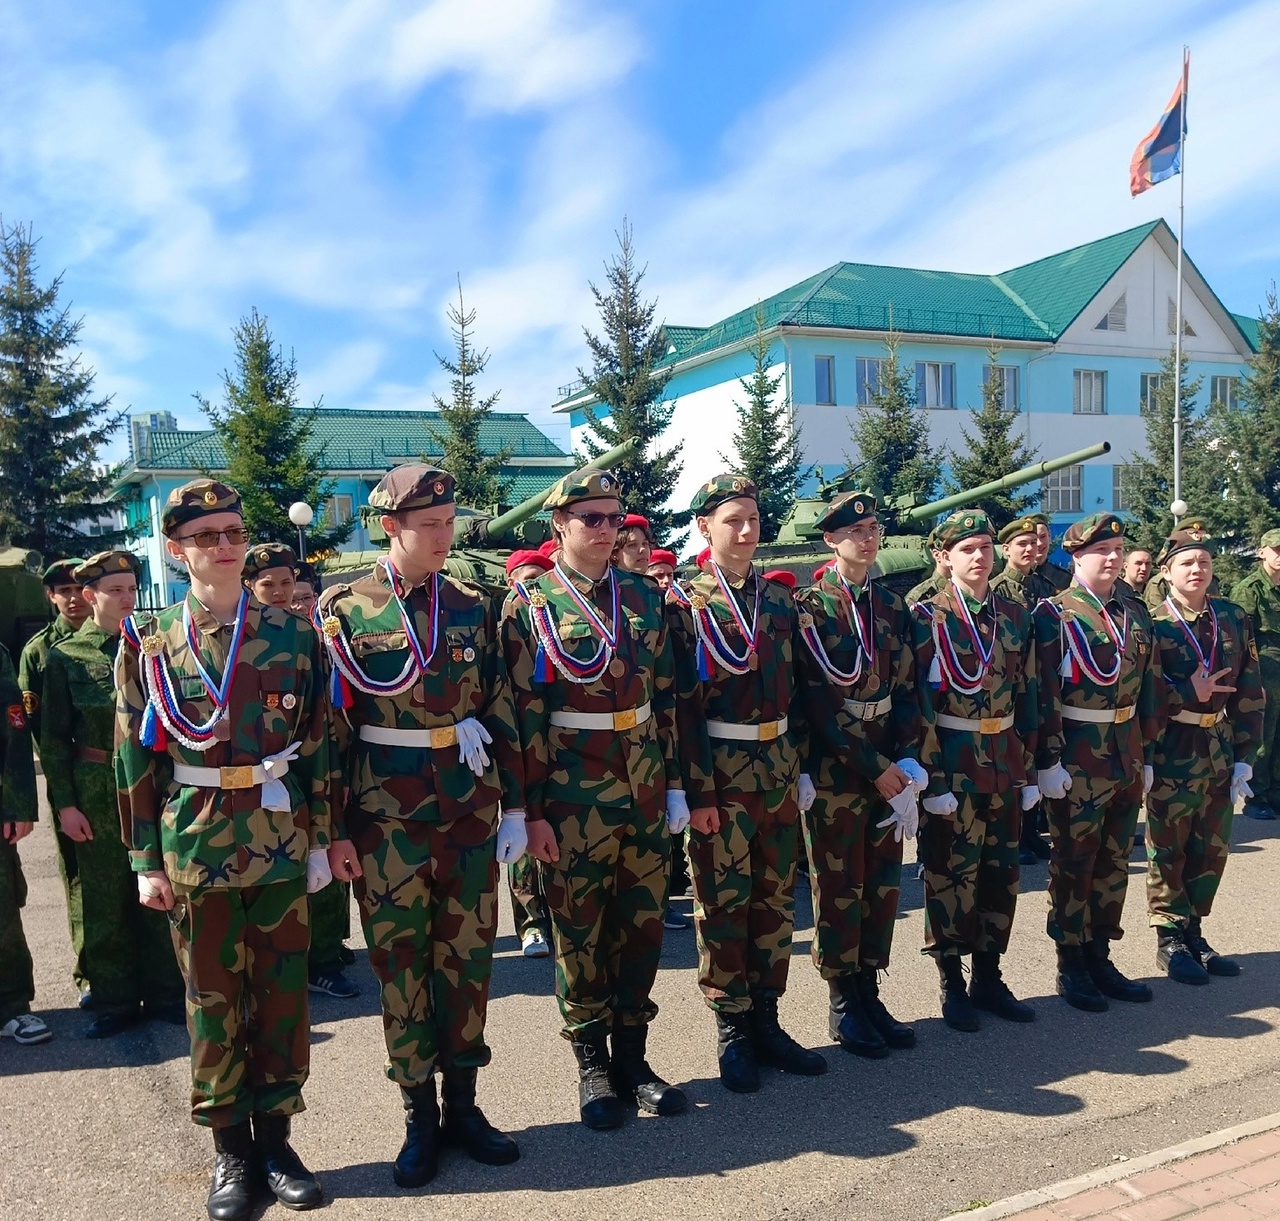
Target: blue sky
{"type": "Point", "coordinates": [337, 163]}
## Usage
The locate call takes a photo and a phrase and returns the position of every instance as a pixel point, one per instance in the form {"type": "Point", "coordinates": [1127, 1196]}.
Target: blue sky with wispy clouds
{"type": "Point", "coordinates": [337, 163]}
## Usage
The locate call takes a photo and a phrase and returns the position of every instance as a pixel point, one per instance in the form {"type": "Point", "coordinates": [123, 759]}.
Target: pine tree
{"type": "Point", "coordinates": [767, 446]}
{"type": "Point", "coordinates": [895, 457]}
{"type": "Point", "coordinates": [52, 483]}
{"type": "Point", "coordinates": [628, 390]}
{"type": "Point", "coordinates": [272, 460]}
{"type": "Point", "coordinates": [993, 451]}
{"type": "Point", "coordinates": [478, 478]}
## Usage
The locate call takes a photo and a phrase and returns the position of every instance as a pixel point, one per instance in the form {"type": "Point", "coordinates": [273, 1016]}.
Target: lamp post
{"type": "Point", "coordinates": [301, 514]}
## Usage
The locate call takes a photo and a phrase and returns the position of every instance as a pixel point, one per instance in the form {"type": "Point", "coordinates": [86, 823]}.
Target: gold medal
{"type": "Point", "coordinates": [332, 626]}
{"type": "Point", "coordinates": [753, 662]}
{"type": "Point", "coordinates": [806, 621]}
{"type": "Point", "coordinates": [537, 599]}
{"type": "Point", "coordinates": [939, 615]}
{"type": "Point", "coordinates": [617, 667]}
{"type": "Point", "coordinates": [153, 646]}
{"type": "Point", "coordinates": [698, 602]}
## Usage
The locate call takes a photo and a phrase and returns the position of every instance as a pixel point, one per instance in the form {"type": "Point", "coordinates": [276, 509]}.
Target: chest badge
{"type": "Point", "coordinates": [153, 646]}
{"type": "Point", "coordinates": [468, 654]}
{"type": "Point", "coordinates": [288, 701]}
{"type": "Point", "coordinates": [806, 621]}
{"type": "Point", "coordinates": [273, 700]}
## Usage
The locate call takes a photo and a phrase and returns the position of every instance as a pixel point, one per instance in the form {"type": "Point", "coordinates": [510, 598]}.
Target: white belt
{"type": "Point", "coordinates": [987, 725]}
{"type": "Point", "coordinates": [1205, 720]}
{"type": "Point", "coordinates": [269, 774]}
{"type": "Point", "coordinates": [616, 722]}
{"type": "Point", "coordinates": [868, 710]}
{"type": "Point", "coordinates": [1099, 716]}
{"type": "Point", "coordinates": [766, 731]}
{"type": "Point", "coordinates": [423, 739]}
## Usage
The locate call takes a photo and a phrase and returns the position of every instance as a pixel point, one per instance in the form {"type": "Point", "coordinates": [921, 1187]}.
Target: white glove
{"type": "Point", "coordinates": [905, 819]}
{"type": "Point", "coordinates": [275, 796]}
{"type": "Point", "coordinates": [943, 805]}
{"type": "Point", "coordinates": [472, 739]}
{"type": "Point", "coordinates": [806, 794]}
{"type": "Point", "coordinates": [915, 773]}
{"type": "Point", "coordinates": [1054, 782]}
{"type": "Point", "coordinates": [1148, 778]}
{"type": "Point", "coordinates": [1241, 774]}
{"type": "Point", "coordinates": [513, 837]}
{"type": "Point", "coordinates": [319, 875]}
{"type": "Point", "coordinates": [147, 889]}
{"type": "Point", "coordinates": [677, 811]}
{"type": "Point", "coordinates": [1030, 795]}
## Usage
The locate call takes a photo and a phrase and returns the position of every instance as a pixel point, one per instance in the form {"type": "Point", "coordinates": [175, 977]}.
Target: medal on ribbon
{"type": "Point", "coordinates": [552, 655]}
{"type": "Point", "coordinates": [1207, 664]}
{"type": "Point", "coordinates": [711, 638]}
{"type": "Point", "coordinates": [863, 652]}
{"type": "Point", "coordinates": [947, 668]}
{"type": "Point", "coordinates": [1077, 652]}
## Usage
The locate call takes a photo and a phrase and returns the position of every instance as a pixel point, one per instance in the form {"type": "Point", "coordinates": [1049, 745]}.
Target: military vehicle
{"type": "Point", "coordinates": [481, 540]}
{"type": "Point", "coordinates": [24, 609]}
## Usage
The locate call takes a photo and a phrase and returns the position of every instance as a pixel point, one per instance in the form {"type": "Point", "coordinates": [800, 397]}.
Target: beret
{"type": "Point", "coordinates": [195, 499]}
{"type": "Point", "coordinates": [1190, 534]}
{"type": "Point", "coordinates": [61, 572]}
{"type": "Point", "coordinates": [963, 524]}
{"type": "Point", "coordinates": [107, 564]}
{"type": "Point", "coordinates": [518, 559]}
{"type": "Point", "coordinates": [583, 485]}
{"type": "Point", "coordinates": [1026, 524]}
{"type": "Point", "coordinates": [660, 556]}
{"type": "Point", "coordinates": [823, 569]}
{"type": "Point", "coordinates": [782, 576]}
{"type": "Point", "coordinates": [1270, 539]}
{"type": "Point", "coordinates": [549, 548]}
{"type": "Point", "coordinates": [1040, 519]}
{"type": "Point", "coordinates": [412, 486]}
{"type": "Point", "coordinates": [715, 492]}
{"type": "Point", "coordinates": [634, 519]}
{"type": "Point", "coordinates": [1092, 529]}
{"type": "Point", "coordinates": [845, 509]}
{"type": "Point", "coordinates": [702, 557]}
{"type": "Point", "coordinates": [304, 570]}
{"type": "Point", "coordinates": [262, 556]}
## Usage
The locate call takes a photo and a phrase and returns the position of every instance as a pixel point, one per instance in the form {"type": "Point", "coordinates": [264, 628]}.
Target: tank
{"type": "Point", "coordinates": [904, 559]}
{"type": "Point", "coordinates": [482, 540]}
{"type": "Point", "coordinates": [24, 609]}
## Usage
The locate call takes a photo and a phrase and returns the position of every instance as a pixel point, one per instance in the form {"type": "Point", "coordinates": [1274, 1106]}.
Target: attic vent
{"type": "Point", "coordinates": [1114, 319]}
{"type": "Point", "coordinates": [1173, 320]}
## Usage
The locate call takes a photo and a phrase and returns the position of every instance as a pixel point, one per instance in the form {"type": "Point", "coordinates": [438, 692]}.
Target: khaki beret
{"type": "Point", "coordinates": [61, 572]}
{"type": "Point", "coordinates": [412, 486]}
{"type": "Point", "coordinates": [195, 499]}
{"type": "Point", "coordinates": [1270, 539]}
{"type": "Point", "coordinates": [262, 556]}
{"type": "Point", "coordinates": [845, 509]}
{"type": "Point", "coordinates": [715, 492]}
{"type": "Point", "coordinates": [963, 524]}
{"type": "Point", "coordinates": [1190, 534]}
{"type": "Point", "coordinates": [107, 564]}
{"type": "Point", "coordinates": [583, 485]}
{"type": "Point", "coordinates": [1092, 529]}
{"type": "Point", "coordinates": [1026, 524]}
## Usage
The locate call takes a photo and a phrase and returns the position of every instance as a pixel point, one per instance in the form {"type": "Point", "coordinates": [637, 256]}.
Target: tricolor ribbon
{"type": "Point", "coordinates": [712, 642]}
{"type": "Point", "coordinates": [552, 652]}
{"type": "Point", "coordinates": [947, 669]}
{"type": "Point", "coordinates": [1207, 663]}
{"type": "Point", "coordinates": [1077, 653]}
{"type": "Point", "coordinates": [809, 634]}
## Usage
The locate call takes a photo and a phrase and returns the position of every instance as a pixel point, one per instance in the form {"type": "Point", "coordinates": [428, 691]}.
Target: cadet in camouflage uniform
{"type": "Point", "coordinates": [858, 664]}
{"type": "Point", "coordinates": [1258, 594]}
{"type": "Point", "coordinates": [934, 582]}
{"type": "Point", "coordinates": [736, 636]}
{"type": "Point", "coordinates": [67, 599]}
{"type": "Point", "coordinates": [1100, 715]}
{"type": "Point", "coordinates": [1059, 578]}
{"type": "Point", "coordinates": [593, 674]}
{"type": "Point", "coordinates": [222, 765]}
{"type": "Point", "coordinates": [1204, 759]}
{"type": "Point", "coordinates": [419, 689]}
{"type": "Point", "coordinates": [128, 952]}
{"type": "Point", "coordinates": [306, 589]}
{"type": "Point", "coordinates": [977, 652]}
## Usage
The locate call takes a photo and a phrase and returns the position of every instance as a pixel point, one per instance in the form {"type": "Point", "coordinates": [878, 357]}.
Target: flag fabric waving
{"type": "Point", "coordinates": [1159, 154]}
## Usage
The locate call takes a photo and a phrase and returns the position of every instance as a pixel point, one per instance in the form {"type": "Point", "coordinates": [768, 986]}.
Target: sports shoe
{"type": "Point", "coordinates": [26, 1028]}
{"type": "Point", "coordinates": [533, 944]}
{"type": "Point", "coordinates": [673, 919]}
{"type": "Point", "coordinates": [332, 983]}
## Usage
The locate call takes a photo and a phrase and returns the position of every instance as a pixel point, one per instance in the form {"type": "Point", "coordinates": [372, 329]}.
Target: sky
{"type": "Point", "coordinates": [340, 165]}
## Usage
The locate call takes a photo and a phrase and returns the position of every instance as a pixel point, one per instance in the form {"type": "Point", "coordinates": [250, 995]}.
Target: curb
{"type": "Point", "coordinates": [1121, 1170]}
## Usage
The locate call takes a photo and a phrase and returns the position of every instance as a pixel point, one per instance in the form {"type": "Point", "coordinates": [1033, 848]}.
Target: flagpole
{"type": "Point", "coordinates": [1177, 341]}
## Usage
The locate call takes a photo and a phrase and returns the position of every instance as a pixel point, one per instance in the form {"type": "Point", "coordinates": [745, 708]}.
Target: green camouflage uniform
{"type": "Point", "coordinates": [856, 864]}
{"type": "Point", "coordinates": [528, 905]}
{"type": "Point", "coordinates": [603, 792]}
{"type": "Point", "coordinates": [423, 824]}
{"type": "Point", "coordinates": [744, 874]}
{"type": "Point", "coordinates": [931, 585]}
{"type": "Point", "coordinates": [128, 952]}
{"type": "Point", "coordinates": [238, 870]}
{"type": "Point", "coordinates": [1259, 597]}
{"type": "Point", "coordinates": [1027, 591]}
{"type": "Point", "coordinates": [17, 804]}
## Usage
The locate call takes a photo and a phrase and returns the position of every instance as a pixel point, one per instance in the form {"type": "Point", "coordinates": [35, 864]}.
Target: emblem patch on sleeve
{"type": "Point", "coordinates": [17, 718]}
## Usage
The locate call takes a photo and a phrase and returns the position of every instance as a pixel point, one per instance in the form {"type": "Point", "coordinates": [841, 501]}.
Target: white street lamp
{"type": "Point", "coordinates": [302, 515]}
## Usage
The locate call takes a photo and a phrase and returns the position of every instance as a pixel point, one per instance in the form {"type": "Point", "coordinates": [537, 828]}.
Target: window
{"type": "Point", "coordinates": [1173, 320]}
{"type": "Point", "coordinates": [1090, 392]}
{"type": "Point", "coordinates": [1060, 491]}
{"type": "Point", "coordinates": [1122, 489]}
{"type": "Point", "coordinates": [1151, 383]}
{"type": "Point", "coordinates": [1114, 319]}
{"type": "Point", "coordinates": [337, 510]}
{"type": "Point", "coordinates": [1225, 390]}
{"type": "Point", "coordinates": [935, 384]}
{"type": "Point", "coordinates": [1007, 377]}
{"type": "Point", "coordinates": [824, 380]}
{"type": "Point", "coordinates": [869, 374]}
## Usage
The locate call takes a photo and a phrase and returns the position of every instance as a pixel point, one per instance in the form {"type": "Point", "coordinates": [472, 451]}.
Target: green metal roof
{"type": "Point", "coordinates": [1250, 328]}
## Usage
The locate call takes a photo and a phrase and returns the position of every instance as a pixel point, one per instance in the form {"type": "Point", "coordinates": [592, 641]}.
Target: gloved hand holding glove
{"type": "Point", "coordinates": [806, 794]}
{"type": "Point", "coordinates": [677, 811]}
{"type": "Point", "coordinates": [319, 875]}
{"type": "Point", "coordinates": [1054, 782]}
{"type": "Point", "coordinates": [943, 805]}
{"type": "Point", "coordinates": [472, 739]}
{"type": "Point", "coordinates": [905, 819]}
{"type": "Point", "coordinates": [1241, 774]}
{"type": "Point", "coordinates": [918, 776]}
{"type": "Point", "coordinates": [513, 837]}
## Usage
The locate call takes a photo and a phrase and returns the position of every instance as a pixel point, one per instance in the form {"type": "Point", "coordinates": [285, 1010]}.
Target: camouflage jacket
{"type": "Point", "coordinates": [847, 753]}
{"type": "Point", "coordinates": [926, 589]}
{"type": "Point", "coordinates": [18, 783]}
{"type": "Point", "coordinates": [214, 837]}
{"type": "Point", "coordinates": [1027, 591]}
{"type": "Point", "coordinates": [465, 677]}
{"type": "Point", "coordinates": [31, 668]}
{"type": "Point", "coordinates": [1259, 597]}
{"type": "Point", "coordinates": [965, 761]}
{"type": "Point", "coordinates": [768, 693]}
{"type": "Point", "coordinates": [1234, 739]}
{"type": "Point", "coordinates": [1108, 751]}
{"type": "Point", "coordinates": [603, 767]}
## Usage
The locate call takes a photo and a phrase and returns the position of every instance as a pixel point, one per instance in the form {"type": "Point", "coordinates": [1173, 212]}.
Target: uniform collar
{"type": "Point", "coordinates": [92, 633]}
{"type": "Point", "coordinates": [207, 623]}
{"type": "Point", "coordinates": [581, 582]}
{"type": "Point", "coordinates": [1185, 611]}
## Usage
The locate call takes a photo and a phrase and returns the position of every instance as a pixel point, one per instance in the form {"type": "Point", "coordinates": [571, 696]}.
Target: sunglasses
{"type": "Point", "coordinates": [593, 521]}
{"type": "Point", "coordinates": [207, 540]}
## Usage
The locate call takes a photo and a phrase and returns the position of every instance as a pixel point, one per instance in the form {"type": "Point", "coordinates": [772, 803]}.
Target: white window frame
{"type": "Point", "coordinates": [1148, 387]}
{"type": "Point", "coordinates": [1229, 383]}
{"type": "Point", "coordinates": [830, 362]}
{"type": "Point", "coordinates": [867, 368]}
{"type": "Point", "coordinates": [1008, 376]}
{"type": "Point", "coordinates": [1060, 490]}
{"type": "Point", "coordinates": [933, 376]}
{"type": "Point", "coordinates": [334, 514]}
{"type": "Point", "coordinates": [1095, 381]}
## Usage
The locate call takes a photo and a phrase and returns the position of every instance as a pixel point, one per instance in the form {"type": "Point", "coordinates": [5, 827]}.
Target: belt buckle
{"type": "Point", "coordinates": [1125, 714]}
{"type": "Point", "coordinates": [626, 719]}
{"type": "Point", "coordinates": [1208, 720]}
{"type": "Point", "coordinates": [768, 731]}
{"type": "Point", "coordinates": [989, 724]}
{"type": "Point", "coordinates": [443, 735]}
{"type": "Point", "coordinates": [235, 777]}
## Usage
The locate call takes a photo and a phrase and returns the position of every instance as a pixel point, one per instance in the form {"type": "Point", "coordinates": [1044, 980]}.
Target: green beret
{"type": "Point", "coordinates": [412, 486]}
{"type": "Point", "coordinates": [963, 524]}
{"type": "Point", "coordinates": [1026, 524]}
{"type": "Point", "coordinates": [107, 564]}
{"type": "Point", "coordinates": [1270, 539]}
{"type": "Point", "coordinates": [1190, 534]}
{"type": "Point", "coordinates": [845, 509]}
{"type": "Point", "coordinates": [262, 556]}
{"type": "Point", "coordinates": [1039, 519]}
{"type": "Point", "coordinates": [61, 572]}
{"type": "Point", "coordinates": [303, 570]}
{"type": "Point", "coordinates": [1092, 529]}
{"type": "Point", "coordinates": [583, 485]}
{"type": "Point", "coordinates": [196, 499]}
{"type": "Point", "coordinates": [715, 492]}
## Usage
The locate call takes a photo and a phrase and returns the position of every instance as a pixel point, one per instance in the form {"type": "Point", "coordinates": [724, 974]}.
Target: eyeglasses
{"type": "Point", "coordinates": [593, 521]}
{"type": "Point", "coordinates": [207, 540]}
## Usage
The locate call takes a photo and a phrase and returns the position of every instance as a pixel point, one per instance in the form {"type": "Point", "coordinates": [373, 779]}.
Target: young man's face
{"type": "Point", "coordinates": [274, 586]}
{"type": "Point", "coordinates": [212, 548]}
{"type": "Point", "coordinates": [1189, 572]}
{"type": "Point", "coordinates": [733, 530]}
{"type": "Point", "coordinates": [304, 597]}
{"type": "Point", "coordinates": [1043, 539]}
{"type": "Point", "coordinates": [1099, 565]}
{"type": "Point", "coordinates": [587, 530]}
{"type": "Point", "coordinates": [112, 599]}
{"type": "Point", "coordinates": [68, 600]}
{"type": "Point", "coordinates": [1137, 568]}
{"type": "Point", "coordinates": [858, 543]}
{"type": "Point", "coordinates": [1021, 551]}
{"type": "Point", "coordinates": [421, 538]}
{"type": "Point", "coordinates": [971, 560]}
{"type": "Point", "coordinates": [662, 573]}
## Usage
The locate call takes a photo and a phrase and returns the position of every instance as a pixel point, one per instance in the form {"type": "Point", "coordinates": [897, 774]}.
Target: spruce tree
{"type": "Point", "coordinates": [628, 389]}
{"type": "Point", "coordinates": [992, 451]}
{"type": "Point", "coordinates": [52, 429]}
{"type": "Point", "coordinates": [478, 477]}
{"type": "Point", "coordinates": [272, 459]}
{"type": "Point", "coordinates": [767, 445]}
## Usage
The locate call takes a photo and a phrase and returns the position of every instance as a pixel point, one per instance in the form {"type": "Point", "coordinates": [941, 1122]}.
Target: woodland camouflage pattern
{"type": "Point", "coordinates": [1259, 597]}
{"type": "Point", "coordinates": [1026, 590]}
{"type": "Point", "coordinates": [17, 804]}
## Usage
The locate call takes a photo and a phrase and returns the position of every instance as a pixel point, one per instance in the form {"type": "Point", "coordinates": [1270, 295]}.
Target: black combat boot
{"type": "Point", "coordinates": [1206, 955]}
{"type": "Point", "coordinates": [1174, 957]}
{"type": "Point", "coordinates": [419, 1157]}
{"type": "Point", "coordinates": [989, 992]}
{"type": "Point", "coordinates": [464, 1125]}
{"type": "Point", "coordinates": [848, 1022]}
{"type": "Point", "coordinates": [774, 1047]}
{"type": "Point", "coordinates": [597, 1103]}
{"type": "Point", "coordinates": [289, 1180]}
{"type": "Point", "coordinates": [633, 1078]}
{"type": "Point", "coordinates": [1107, 976]}
{"type": "Point", "coordinates": [1074, 983]}
{"type": "Point", "coordinates": [897, 1034]}
{"type": "Point", "coordinates": [739, 1071]}
{"type": "Point", "coordinates": [231, 1192]}
{"type": "Point", "coordinates": [957, 1009]}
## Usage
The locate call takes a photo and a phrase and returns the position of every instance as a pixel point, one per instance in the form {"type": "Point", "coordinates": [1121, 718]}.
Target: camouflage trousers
{"type": "Point", "coordinates": [330, 925]}
{"type": "Point", "coordinates": [69, 872]}
{"type": "Point", "coordinates": [744, 880]}
{"type": "Point", "coordinates": [856, 869]}
{"type": "Point", "coordinates": [605, 895]}
{"type": "Point", "coordinates": [971, 874]}
{"type": "Point", "coordinates": [17, 981]}
{"type": "Point", "coordinates": [1188, 841]}
{"type": "Point", "coordinates": [243, 953]}
{"type": "Point", "coordinates": [528, 906]}
{"type": "Point", "coordinates": [1091, 832]}
{"type": "Point", "coordinates": [1266, 770]}
{"type": "Point", "coordinates": [429, 905]}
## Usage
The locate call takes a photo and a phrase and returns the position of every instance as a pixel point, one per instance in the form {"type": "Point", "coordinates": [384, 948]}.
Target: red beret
{"type": "Point", "coordinates": [817, 572]}
{"type": "Point", "coordinates": [518, 558]}
{"type": "Point", "coordinates": [659, 556]}
{"type": "Point", "coordinates": [634, 519]}
{"type": "Point", "coordinates": [703, 556]}
{"type": "Point", "coordinates": [549, 548]}
{"type": "Point", "coordinates": [782, 576]}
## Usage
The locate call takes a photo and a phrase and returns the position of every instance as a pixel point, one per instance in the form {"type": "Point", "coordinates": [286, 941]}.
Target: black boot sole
{"type": "Point", "coordinates": [673, 1102]}
{"type": "Point", "coordinates": [412, 1183]}
{"type": "Point", "coordinates": [1214, 967]}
